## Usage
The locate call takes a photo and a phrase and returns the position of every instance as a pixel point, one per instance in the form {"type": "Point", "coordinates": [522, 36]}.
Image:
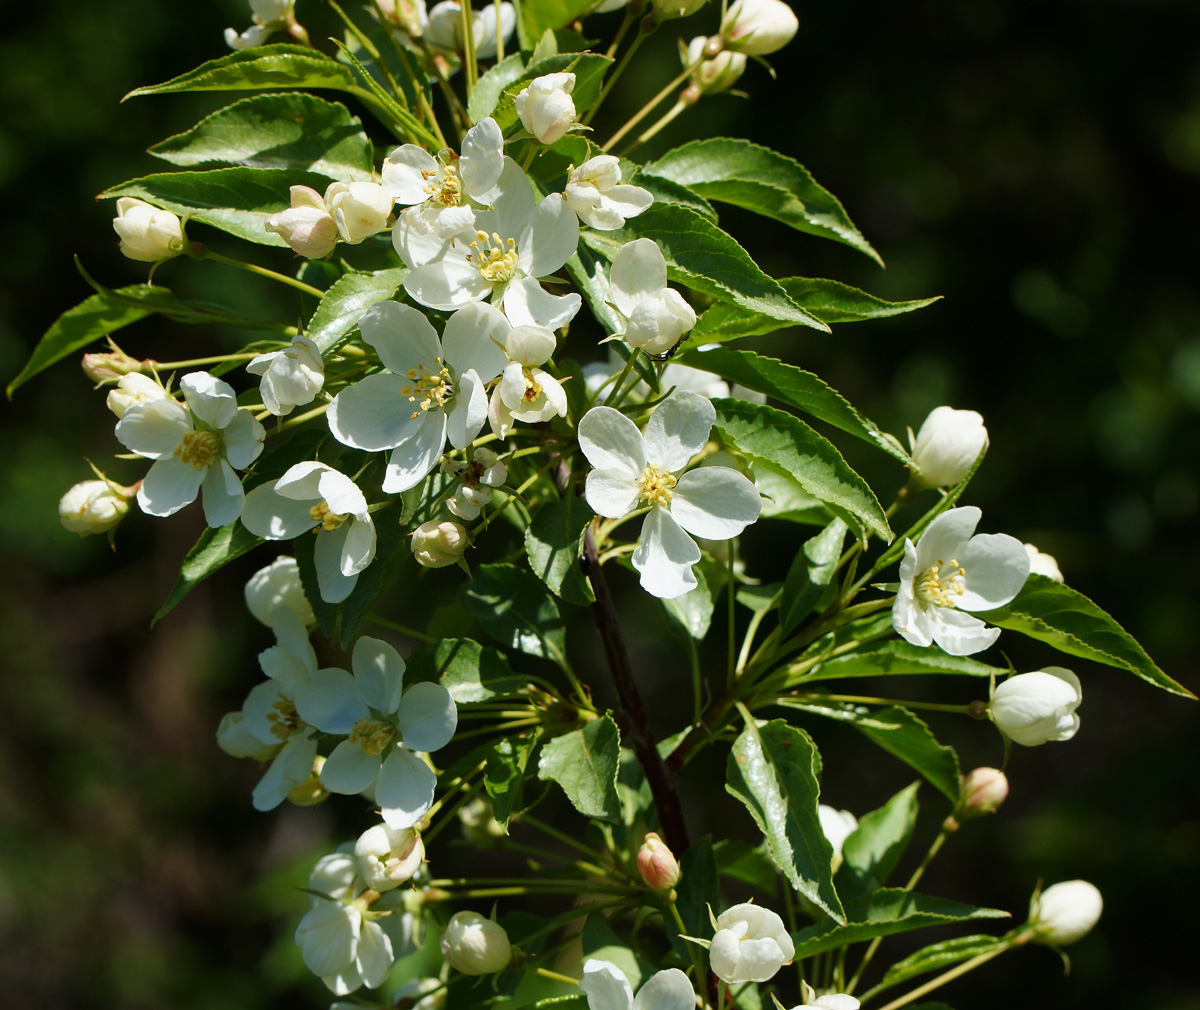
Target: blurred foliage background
{"type": "Point", "coordinates": [1036, 164]}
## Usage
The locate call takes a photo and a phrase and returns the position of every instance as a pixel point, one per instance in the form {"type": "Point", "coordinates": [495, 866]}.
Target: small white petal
{"type": "Point", "coordinates": [372, 413]}
{"type": "Point", "coordinates": [417, 455]}
{"type": "Point", "coordinates": [405, 788]}
{"type": "Point", "coordinates": [223, 495]}
{"type": "Point", "coordinates": [209, 398]}
{"type": "Point", "coordinates": [349, 769]}
{"type": "Point", "coordinates": [996, 566]}
{"type": "Point", "coordinates": [610, 440]}
{"type": "Point", "coordinates": [427, 717]}
{"type": "Point", "coordinates": [666, 990]}
{"type": "Point", "coordinates": [401, 335]}
{"type": "Point", "coordinates": [665, 556]}
{"type": "Point", "coordinates": [958, 633]}
{"type": "Point", "coordinates": [331, 701]}
{"type": "Point", "coordinates": [379, 670]}
{"type": "Point", "coordinates": [678, 429]}
{"type": "Point", "coordinates": [612, 492]}
{"type": "Point", "coordinates": [638, 271]}
{"type": "Point", "coordinates": [715, 502]}
{"type": "Point", "coordinates": [169, 486]}
{"type": "Point", "coordinates": [606, 986]}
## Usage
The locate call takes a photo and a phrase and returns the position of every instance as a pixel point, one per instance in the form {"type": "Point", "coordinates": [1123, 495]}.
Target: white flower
{"type": "Point", "coordinates": [947, 446]}
{"type": "Point", "coordinates": [1039, 707]}
{"type": "Point", "coordinates": [445, 27]}
{"type": "Point", "coordinates": [479, 475]}
{"type": "Point", "coordinates": [831, 1001]}
{"type": "Point", "coordinates": [750, 945]}
{"type": "Point", "coordinates": [385, 725]}
{"type": "Point", "coordinates": [388, 856]}
{"type": "Point", "coordinates": [950, 572]}
{"type": "Point", "coordinates": [444, 187]}
{"type": "Point", "coordinates": [432, 389]}
{"type": "Point", "coordinates": [1043, 564]}
{"type": "Point", "coordinates": [94, 506]}
{"type": "Point", "coordinates": [313, 496]}
{"type": "Point", "coordinates": [545, 106]}
{"type": "Point", "coordinates": [148, 234]}
{"type": "Point", "coordinates": [278, 585]}
{"type": "Point", "coordinates": [133, 389]}
{"type": "Point", "coordinates": [526, 392]}
{"type": "Point", "coordinates": [656, 317]}
{"type": "Point", "coordinates": [1065, 912]}
{"type": "Point", "coordinates": [836, 826]}
{"type": "Point", "coordinates": [516, 242]}
{"type": "Point", "coordinates": [475, 945]}
{"type": "Point", "coordinates": [719, 73]}
{"type": "Point", "coordinates": [607, 988]}
{"type": "Point", "coordinates": [439, 544]}
{"type": "Point", "coordinates": [291, 377]}
{"type": "Point", "coordinates": [307, 226]}
{"type": "Point", "coordinates": [236, 740]}
{"type": "Point", "coordinates": [359, 209]}
{"type": "Point", "coordinates": [269, 16]}
{"type": "Point", "coordinates": [758, 27]}
{"type": "Point", "coordinates": [633, 470]}
{"type": "Point", "coordinates": [595, 194]}
{"type": "Point", "coordinates": [196, 446]}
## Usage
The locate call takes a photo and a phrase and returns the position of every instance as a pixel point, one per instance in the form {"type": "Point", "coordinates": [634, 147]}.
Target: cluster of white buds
{"type": "Point", "coordinates": [349, 211]}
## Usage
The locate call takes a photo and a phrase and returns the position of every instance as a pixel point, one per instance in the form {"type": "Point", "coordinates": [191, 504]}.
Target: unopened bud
{"type": "Point", "coordinates": [657, 864]}
{"type": "Point", "coordinates": [475, 945]}
{"type": "Point", "coordinates": [111, 365]}
{"type": "Point", "coordinates": [94, 506]}
{"type": "Point", "coordinates": [310, 792]}
{"type": "Point", "coordinates": [438, 544]}
{"type": "Point", "coordinates": [717, 72]}
{"type": "Point", "coordinates": [982, 792]}
{"type": "Point", "coordinates": [758, 27]}
{"type": "Point", "coordinates": [479, 824]}
{"type": "Point", "coordinates": [388, 856]}
{"type": "Point", "coordinates": [1065, 912]}
{"type": "Point", "coordinates": [147, 234]}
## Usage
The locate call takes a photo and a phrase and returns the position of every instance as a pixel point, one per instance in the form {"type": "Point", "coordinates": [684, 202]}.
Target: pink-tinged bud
{"type": "Point", "coordinates": [983, 790]}
{"type": "Point", "coordinates": [112, 365]}
{"type": "Point", "coordinates": [657, 864]}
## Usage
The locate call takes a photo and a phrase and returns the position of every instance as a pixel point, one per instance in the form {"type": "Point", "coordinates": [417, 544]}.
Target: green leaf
{"type": "Point", "coordinates": [703, 257]}
{"type": "Point", "coordinates": [692, 611]}
{"type": "Point", "coordinates": [763, 181]}
{"type": "Point", "coordinates": [296, 132]}
{"type": "Point", "coordinates": [589, 273]}
{"type": "Point", "coordinates": [666, 191]}
{"type": "Point", "coordinates": [698, 890]}
{"type": "Point", "coordinates": [553, 544]}
{"type": "Point", "coordinates": [504, 774]}
{"type": "Point", "coordinates": [751, 864]}
{"type": "Point", "coordinates": [213, 551]}
{"type": "Point", "coordinates": [938, 957]}
{"type": "Point", "coordinates": [589, 70]}
{"type": "Point", "coordinates": [788, 447]}
{"type": "Point", "coordinates": [870, 853]}
{"type": "Point", "coordinates": [809, 582]}
{"type": "Point", "coordinates": [775, 771]}
{"type": "Point", "coordinates": [584, 762]}
{"type": "Point", "coordinates": [236, 200]}
{"type": "Point", "coordinates": [900, 657]}
{"type": "Point", "coordinates": [515, 609]}
{"type": "Point", "coordinates": [901, 734]}
{"type": "Point", "coordinates": [784, 499]}
{"type": "Point", "coordinates": [262, 68]}
{"type": "Point", "coordinates": [469, 671]}
{"type": "Point", "coordinates": [1066, 619]}
{"type": "Point", "coordinates": [830, 301]}
{"type": "Point", "coordinates": [545, 15]}
{"type": "Point", "coordinates": [491, 85]}
{"type": "Point", "coordinates": [600, 942]}
{"type": "Point", "coordinates": [345, 302]}
{"type": "Point", "coordinates": [883, 913]}
{"type": "Point", "coordinates": [795, 387]}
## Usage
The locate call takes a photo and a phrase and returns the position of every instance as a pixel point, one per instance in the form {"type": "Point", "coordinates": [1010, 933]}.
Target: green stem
{"type": "Point", "coordinates": [299, 419]}
{"type": "Point", "coordinates": [499, 32]}
{"type": "Point", "coordinates": [385, 622]}
{"type": "Point", "coordinates": [731, 616]}
{"type": "Point", "coordinates": [941, 980]}
{"type": "Point", "coordinates": [649, 107]}
{"type": "Point", "coordinates": [547, 973]}
{"type": "Point", "coordinates": [620, 68]}
{"type": "Point", "coordinates": [630, 18]}
{"type": "Point", "coordinates": [470, 67]}
{"type": "Point", "coordinates": [165, 366]}
{"type": "Point", "coordinates": [863, 699]}
{"type": "Point", "coordinates": [665, 120]}
{"type": "Point", "coordinates": [202, 252]}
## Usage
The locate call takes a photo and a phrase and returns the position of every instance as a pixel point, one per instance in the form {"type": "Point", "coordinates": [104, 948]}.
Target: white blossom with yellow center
{"type": "Point", "coordinates": [950, 572]}
{"type": "Point", "coordinates": [432, 389]}
{"type": "Point", "coordinates": [526, 392]}
{"type": "Point", "coordinates": [635, 470]}
{"type": "Point", "coordinates": [383, 724]}
{"type": "Point", "coordinates": [194, 446]}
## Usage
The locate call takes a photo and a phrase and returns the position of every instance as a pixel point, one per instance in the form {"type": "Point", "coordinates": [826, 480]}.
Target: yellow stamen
{"type": "Point", "coordinates": [372, 735]}
{"type": "Point", "coordinates": [655, 486]}
{"type": "Point", "coordinates": [940, 583]}
{"type": "Point", "coordinates": [283, 718]}
{"type": "Point", "coordinates": [199, 448]}
{"type": "Point", "coordinates": [328, 519]}
{"type": "Point", "coordinates": [496, 258]}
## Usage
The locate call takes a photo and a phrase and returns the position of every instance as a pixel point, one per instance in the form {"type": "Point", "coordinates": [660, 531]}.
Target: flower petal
{"type": "Point", "coordinates": [606, 986]}
{"type": "Point", "coordinates": [403, 173]}
{"type": "Point", "coordinates": [612, 492]}
{"type": "Point", "coordinates": [223, 495]}
{"type": "Point", "coordinates": [331, 701]}
{"type": "Point", "coordinates": [554, 236]}
{"type": "Point", "coordinates": [958, 633]}
{"type": "Point", "coordinates": [610, 440]}
{"type": "Point", "coordinates": [401, 335]}
{"type": "Point", "coordinates": [715, 502]}
{"type": "Point", "coordinates": [405, 788]}
{"type": "Point", "coordinates": [349, 769]}
{"type": "Point", "coordinates": [470, 411]}
{"type": "Point", "coordinates": [666, 990]}
{"type": "Point", "coordinates": [329, 556]}
{"type": "Point", "coordinates": [474, 338]}
{"type": "Point", "coordinates": [946, 536]}
{"type": "Point", "coordinates": [527, 303]}
{"type": "Point", "coordinates": [372, 413]}
{"type": "Point", "coordinates": [209, 398]}
{"type": "Point", "coordinates": [154, 428]}
{"type": "Point", "coordinates": [417, 455]}
{"type": "Point", "coordinates": [482, 158]}
{"type": "Point", "coordinates": [997, 566]}
{"type": "Point", "coordinates": [448, 283]}
{"type": "Point", "coordinates": [169, 486]}
{"type": "Point", "coordinates": [379, 670]}
{"type": "Point", "coordinates": [638, 271]}
{"type": "Point", "coordinates": [375, 958]}
{"type": "Point", "coordinates": [427, 717]}
{"type": "Point", "coordinates": [243, 438]}
{"type": "Point", "coordinates": [665, 556]}
{"type": "Point", "coordinates": [678, 429]}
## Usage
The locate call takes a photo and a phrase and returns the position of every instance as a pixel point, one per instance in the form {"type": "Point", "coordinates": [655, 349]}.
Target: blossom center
{"type": "Point", "coordinates": [199, 448]}
{"type": "Point", "coordinates": [655, 485]}
{"type": "Point", "coordinates": [429, 389]}
{"type": "Point", "coordinates": [372, 735]}
{"type": "Point", "coordinates": [445, 187]}
{"type": "Point", "coordinates": [940, 583]}
{"type": "Point", "coordinates": [496, 258]}
{"type": "Point", "coordinates": [532, 389]}
{"type": "Point", "coordinates": [323, 514]}
{"type": "Point", "coordinates": [283, 718]}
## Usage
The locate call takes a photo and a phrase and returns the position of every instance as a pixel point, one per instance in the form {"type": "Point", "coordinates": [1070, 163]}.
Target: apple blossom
{"type": "Point", "coordinates": [269, 16]}
{"type": "Point", "coordinates": [718, 73]}
{"type": "Point", "coordinates": [384, 724]}
{"type": "Point", "coordinates": [634, 470]}
{"type": "Point", "coordinates": [836, 826]}
{"type": "Point", "coordinates": [1037, 708]}
{"type": "Point", "coordinates": [1043, 564]}
{"type": "Point", "coordinates": [196, 446]}
{"type": "Point", "coordinates": [307, 226]}
{"type": "Point", "coordinates": [947, 446]}
{"type": "Point", "coordinates": [94, 506]}
{"type": "Point", "coordinates": [478, 475]}
{"type": "Point", "coordinates": [388, 856]}
{"type": "Point", "coordinates": [133, 389]}
{"type": "Point", "coordinates": [431, 391]}
{"type": "Point", "coordinates": [147, 234]}
{"type": "Point", "coordinates": [475, 945]}
{"type": "Point", "coordinates": [830, 1001]}
{"type": "Point", "coordinates": [607, 988]}
{"type": "Point", "coordinates": [758, 27]}
{"type": "Point", "coordinates": [108, 365]}
{"type": "Point", "coordinates": [750, 944]}
{"type": "Point", "coordinates": [313, 496]}
{"type": "Point", "coordinates": [1065, 912]}
{"type": "Point", "coordinates": [594, 192]}
{"type": "Point", "coordinates": [526, 392]}
{"type": "Point", "coordinates": [278, 585]}
{"type": "Point", "coordinates": [656, 863]}
{"type": "Point", "coordinates": [950, 572]}
{"type": "Point", "coordinates": [982, 792]}
{"type": "Point", "coordinates": [656, 317]}
{"type": "Point", "coordinates": [291, 377]}
{"type": "Point", "coordinates": [359, 209]}
{"type": "Point", "coordinates": [545, 106]}
{"type": "Point", "coordinates": [439, 544]}
{"type": "Point", "coordinates": [445, 27]}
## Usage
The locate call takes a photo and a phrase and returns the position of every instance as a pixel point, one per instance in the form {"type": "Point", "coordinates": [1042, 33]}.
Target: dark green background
{"type": "Point", "coordinates": [1036, 164]}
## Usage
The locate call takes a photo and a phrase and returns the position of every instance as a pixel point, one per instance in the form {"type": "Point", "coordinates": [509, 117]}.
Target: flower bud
{"type": "Point", "coordinates": [659, 321]}
{"type": "Point", "coordinates": [750, 944]}
{"type": "Point", "coordinates": [1039, 707]}
{"type": "Point", "coordinates": [668, 10]}
{"type": "Point", "coordinates": [278, 585]}
{"type": "Point", "coordinates": [475, 945]}
{"type": "Point", "coordinates": [717, 74]}
{"type": "Point", "coordinates": [657, 864]}
{"type": "Point", "coordinates": [982, 792]}
{"type": "Point", "coordinates": [438, 544]}
{"type": "Point", "coordinates": [307, 226]}
{"type": "Point", "coordinates": [1043, 564]}
{"type": "Point", "coordinates": [148, 234]}
{"type": "Point", "coordinates": [478, 820]}
{"type": "Point", "coordinates": [1065, 912]}
{"type": "Point", "coordinates": [445, 27]}
{"type": "Point", "coordinates": [546, 108]}
{"type": "Point", "coordinates": [947, 446]}
{"type": "Point", "coordinates": [359, 209]}
{"type": "Point", "coordinates": [758, 27]}
{"type": "Point", "coordinates": [291, 377]}
{"type": "Point", "coordinates": [388, 856]}
{"type": "Point", "coordinates": [111, 365]}
{"type": "Point", "coordinates": [94, 506]}
{"type": "Point", "coordinates": [133, 389]}
{"type": "Point", "coordinates": [310, 792]}
{"type": "Point", "coordinates": [409, 15]}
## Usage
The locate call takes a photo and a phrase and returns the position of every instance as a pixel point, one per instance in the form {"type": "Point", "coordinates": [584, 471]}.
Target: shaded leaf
{"type": "Point", "coordinates": [535, 19]}
{"type": "Point", "coordinates": [504, 774]}
{"type": "Point", "coordinates": [553, 544]}
{"type": "Point", "coordinates": [212, 552]}
{"type": "Point", "coordinates": [692, 612]}
{"type": "Point", "coordinates": [900, 657]}
{"type": "Point", "coordinates": [751, 864]}
{"type": "Point", "coordinates": [584, 762]}
{"type": "Point", "coordinates": [666, 191]}
{"type": "Point", "coordinates": [469, 671]}
{"type": "Point", "coordinates": [515, 609]}
{"type": "Point", "coordinates": [870, 852]}
{"type": "Point", "coordinates": [810, 580]}
{"type": "Point", "coordinates": [938, 957]}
